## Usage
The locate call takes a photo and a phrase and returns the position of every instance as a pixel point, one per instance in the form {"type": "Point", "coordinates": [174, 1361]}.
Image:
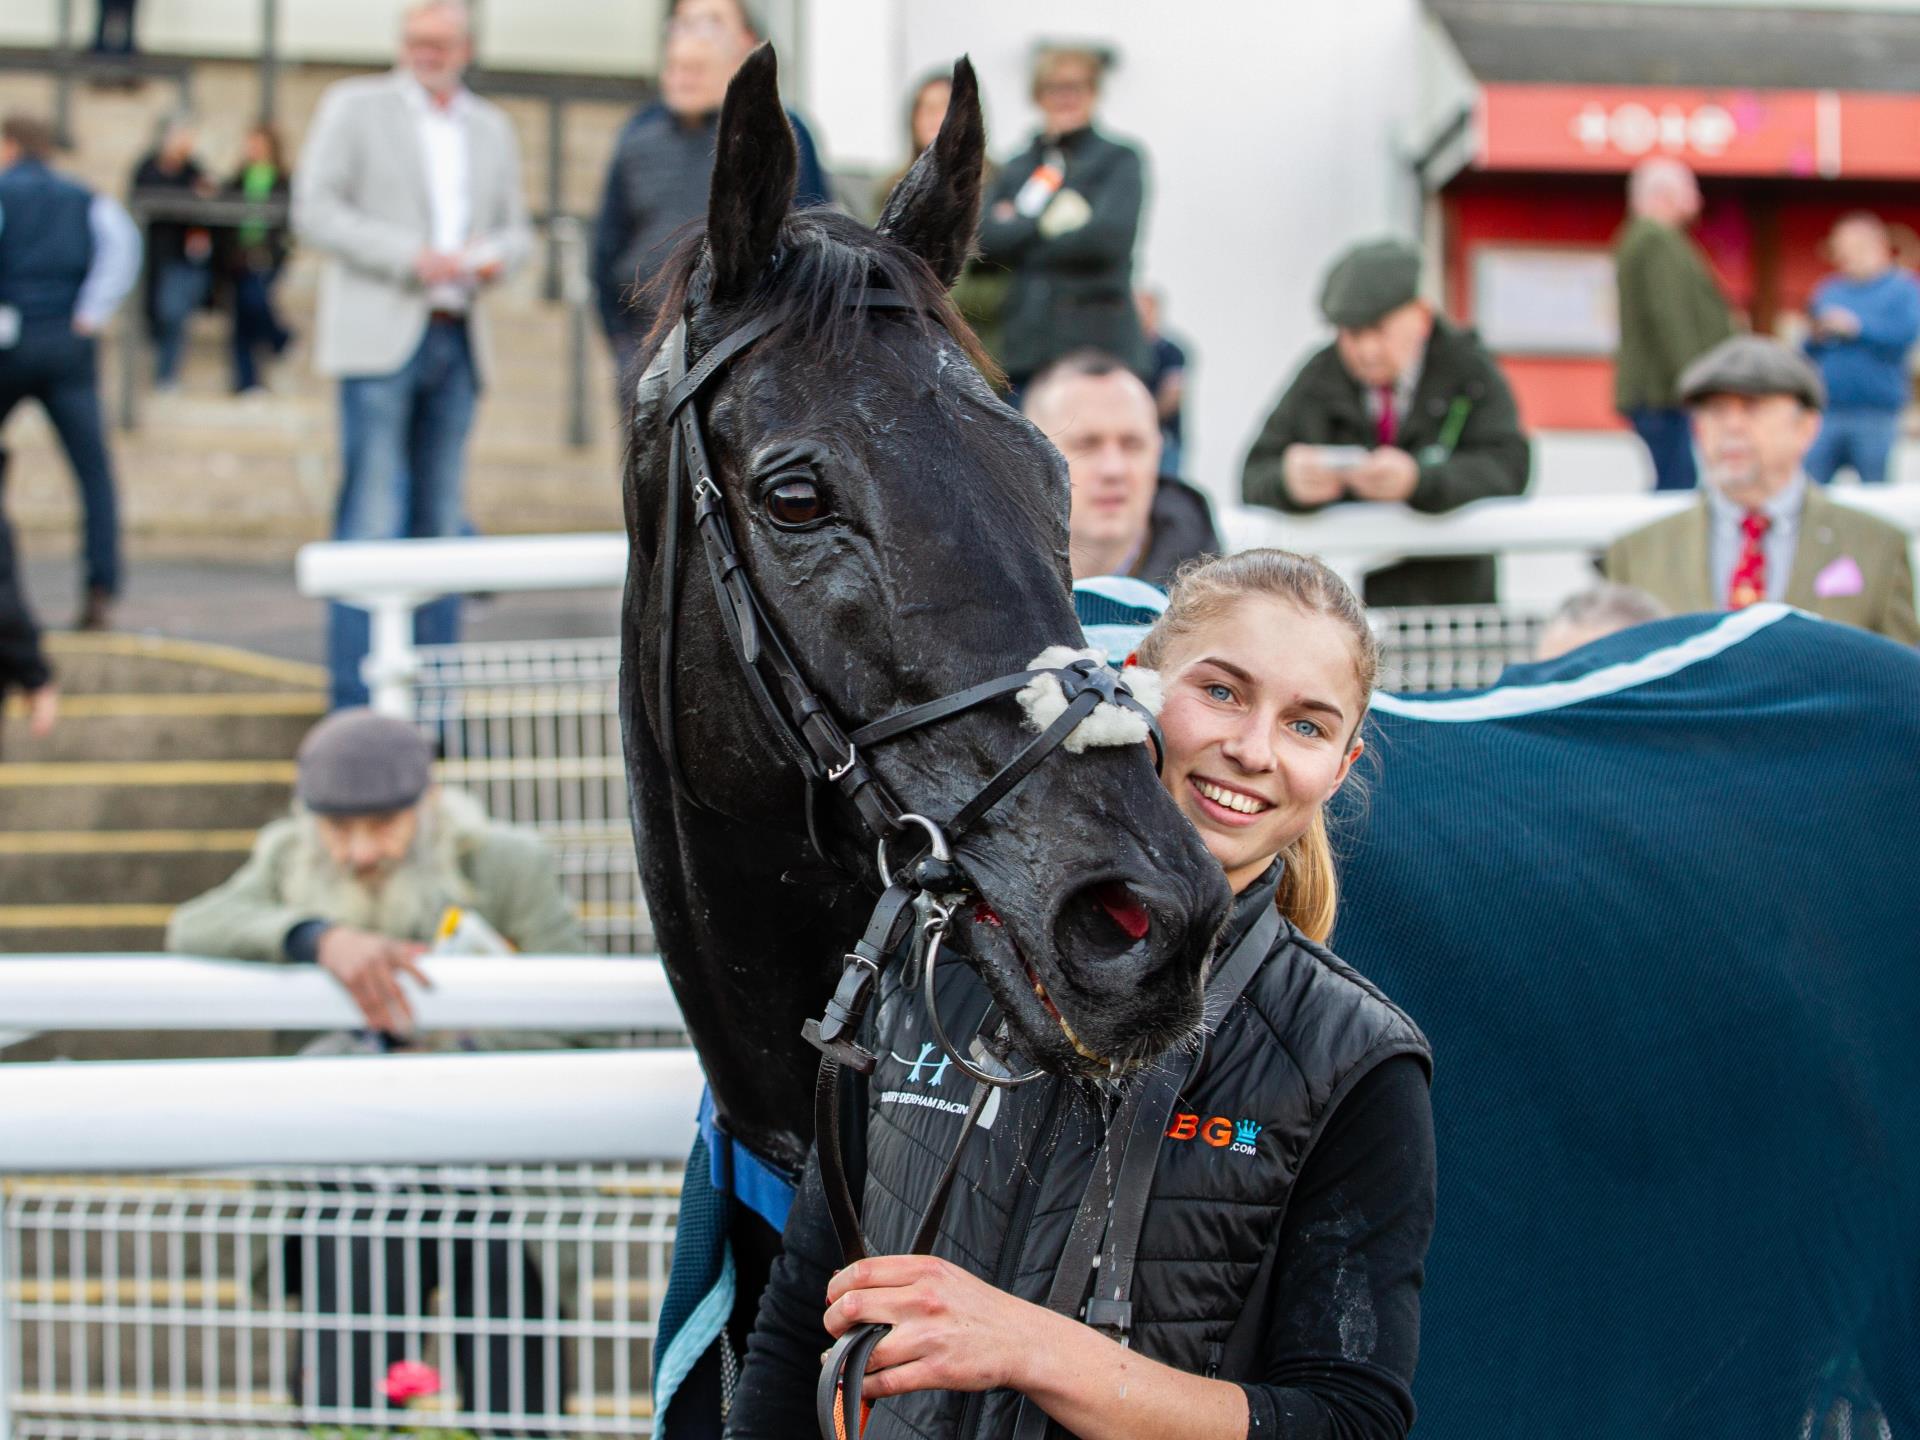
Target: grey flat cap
{"type": "Point", "coordinates": [359, 762]}
{"type": "Point", "coordinates": [1369, 281]}
{"type": "Point", "coordinates": [1753, 365]}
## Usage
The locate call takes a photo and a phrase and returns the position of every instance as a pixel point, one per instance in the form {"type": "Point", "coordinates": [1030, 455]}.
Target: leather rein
{"type": "Point", "coordinates": [929, 888]}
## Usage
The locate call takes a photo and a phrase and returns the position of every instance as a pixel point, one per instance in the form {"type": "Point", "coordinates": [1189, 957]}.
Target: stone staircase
{"type": "Point", "coordinates": [205, 474]}
{"type": "Point", "coordinates": [168, 757]}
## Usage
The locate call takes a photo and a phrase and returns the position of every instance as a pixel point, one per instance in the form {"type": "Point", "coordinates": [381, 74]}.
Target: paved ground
{"type": "Point", "coordinates": [256, 607]}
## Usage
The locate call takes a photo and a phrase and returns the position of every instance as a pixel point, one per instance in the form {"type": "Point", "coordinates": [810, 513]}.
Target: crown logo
{"type": "Point", "coordinates": [1245, 1132]}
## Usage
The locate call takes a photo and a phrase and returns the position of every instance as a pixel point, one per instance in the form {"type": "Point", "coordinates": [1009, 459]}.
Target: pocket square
{"type": "Point", "coordinates": [1839, 577]}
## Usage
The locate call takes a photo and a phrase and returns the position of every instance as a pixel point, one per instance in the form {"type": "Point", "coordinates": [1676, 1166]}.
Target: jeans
{"type": "Point", "coordinates": [1670, 440]}
{"type": "Point", "coordinates": [1860, 438]}
{"type": "Point", "coordinates": [403, 438]}
{"type": "Point", "coordinates": [254, 325]}
{"type": "Point", "coordinates": [58, 368]}
{"type": "Point", "coordinates": [179, 289]}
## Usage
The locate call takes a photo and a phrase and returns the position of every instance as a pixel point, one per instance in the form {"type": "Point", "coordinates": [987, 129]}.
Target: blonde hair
{"type": "Point", "coordinates": [1309, 890]}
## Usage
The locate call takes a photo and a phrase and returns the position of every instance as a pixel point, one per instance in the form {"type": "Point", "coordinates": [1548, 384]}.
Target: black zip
{"type": "Point", "coordinates": [1013, 1243]}
{"type": "Point", "coordinates": [1216, 1352]}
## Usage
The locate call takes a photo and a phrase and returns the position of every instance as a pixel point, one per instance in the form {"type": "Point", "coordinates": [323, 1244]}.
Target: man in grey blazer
{"type": "Point", "coordinates": [410, 186]}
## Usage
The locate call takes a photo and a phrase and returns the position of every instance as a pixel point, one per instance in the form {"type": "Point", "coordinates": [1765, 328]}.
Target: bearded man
{"type": "Point", "coordinates": [359, 877]}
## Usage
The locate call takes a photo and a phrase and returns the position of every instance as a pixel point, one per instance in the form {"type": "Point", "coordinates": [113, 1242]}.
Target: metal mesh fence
{"type": "Point", "coordinates": [1451, 647]}
{"type": "Point", "coordinates": [274, 1303]}
{"type": "Point", "coordinates": [532, 731]}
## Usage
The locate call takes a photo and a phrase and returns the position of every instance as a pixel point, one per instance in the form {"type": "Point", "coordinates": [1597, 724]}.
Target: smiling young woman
{"type": "Point", "coordinates": [1268, 665]}
{"type": "Point", "coordinates": [1283, 1238]}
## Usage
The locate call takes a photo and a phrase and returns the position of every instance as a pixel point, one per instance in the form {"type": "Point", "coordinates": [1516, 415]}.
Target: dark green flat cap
{"type": "Point", "coordinates": [1370, 280]}
{"type": "Point", "coordinates": [1753, 365]}
{"type": "Point", "coordinates": [358, 762]}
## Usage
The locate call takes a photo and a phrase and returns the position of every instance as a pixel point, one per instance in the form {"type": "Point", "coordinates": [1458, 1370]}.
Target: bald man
{"type": "Point", "coordinates": [1671, 313]}
{"type": "Point", "coordinates": [1126, 518]}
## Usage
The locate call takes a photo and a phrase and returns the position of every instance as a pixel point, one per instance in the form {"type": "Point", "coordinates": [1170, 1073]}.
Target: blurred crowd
{"type": "Point", "coordinates": [1401, 406]}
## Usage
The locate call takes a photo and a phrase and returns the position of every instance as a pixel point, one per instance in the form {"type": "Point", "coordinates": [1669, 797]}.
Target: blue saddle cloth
{"type": "Point", "coordinates": [1655, 904]}
{"type": "Point", "coordinates": [688, 1370]}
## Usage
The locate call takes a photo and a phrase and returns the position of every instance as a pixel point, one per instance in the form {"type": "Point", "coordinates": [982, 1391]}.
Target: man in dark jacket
{"type": "Point", "coordinates": [67, 259]}
{"type": "Point", "coordinates": [1126, 517]}
{"type": "Point", "coordinates": [662, 162]}
{"type": "Point", "coordinates": [23, 666]}
{"type": "Point", "coordinates": [1062, 216]}
{"type": "Point", "coordinates": [179, 256]}
{"type": "Point", "coordinates": [1671, 313]}
{"type": "Point", "coordinates": [1401, 407]}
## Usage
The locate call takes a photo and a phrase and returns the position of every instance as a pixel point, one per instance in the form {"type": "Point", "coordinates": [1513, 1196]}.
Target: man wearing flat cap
{"type": "Point", "coordinates": [360, 876]}
{"type": "Point", "coordinates": [1760, 531]}
{"type": "Point", "coordinates": [1402, 406]}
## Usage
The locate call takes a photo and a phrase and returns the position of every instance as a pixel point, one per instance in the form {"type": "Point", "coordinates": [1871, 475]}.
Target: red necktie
{"type": "Point", "coordinates": [1749, 583]}
{"type": "Point", "coordinates": [1384, 427]}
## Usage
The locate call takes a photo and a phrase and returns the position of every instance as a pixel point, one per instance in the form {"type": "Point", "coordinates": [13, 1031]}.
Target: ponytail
{"type": "Point", "coordinates": [1309, 893]}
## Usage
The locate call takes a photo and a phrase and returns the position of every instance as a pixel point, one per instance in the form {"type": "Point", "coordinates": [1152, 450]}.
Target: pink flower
{"type": "Point", "coordinates": [410, 1380]}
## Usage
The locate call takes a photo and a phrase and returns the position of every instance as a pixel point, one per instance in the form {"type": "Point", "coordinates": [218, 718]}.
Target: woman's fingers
{"type": "Point", "coordinates": [903, 1380]}
{"type": "Point", "coordinates": [883, 1305]}
{"type": "Point", "coordinates": [901, 1345]}
{"type": "Point", "coordinates": [878, 1272]}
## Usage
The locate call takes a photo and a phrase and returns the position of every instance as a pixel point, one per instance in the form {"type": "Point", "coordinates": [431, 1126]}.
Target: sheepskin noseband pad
{"type": "Point", "coordinates": [1044, 699]}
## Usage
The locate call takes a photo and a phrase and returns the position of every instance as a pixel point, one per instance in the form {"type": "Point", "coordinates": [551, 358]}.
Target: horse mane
{"type": "Point", "coordinates": [823, 267]}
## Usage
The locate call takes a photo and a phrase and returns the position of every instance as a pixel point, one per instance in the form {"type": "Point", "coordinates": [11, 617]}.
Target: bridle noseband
{"type": "Point", "coordinates": [806, 729]}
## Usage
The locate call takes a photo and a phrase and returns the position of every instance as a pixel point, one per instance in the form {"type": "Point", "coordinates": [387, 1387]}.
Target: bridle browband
{"type": "Point", "coordinates": [806, 729]}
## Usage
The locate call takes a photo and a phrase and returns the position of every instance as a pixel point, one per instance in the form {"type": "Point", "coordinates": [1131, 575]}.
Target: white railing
{"type": "Point", "coordinates": [526, 1108]}
{"type": "Point", "coordinates": [555, 993]}
{"type": "Point", "coordinates": [391, 579]}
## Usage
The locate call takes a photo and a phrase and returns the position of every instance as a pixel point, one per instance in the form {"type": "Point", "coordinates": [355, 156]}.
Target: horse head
{"type": "Point", "coordinates": [906, 534]}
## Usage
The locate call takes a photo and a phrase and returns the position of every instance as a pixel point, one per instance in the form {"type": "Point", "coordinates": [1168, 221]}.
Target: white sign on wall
{"type": "Point", "coordinates": [1545, 301]}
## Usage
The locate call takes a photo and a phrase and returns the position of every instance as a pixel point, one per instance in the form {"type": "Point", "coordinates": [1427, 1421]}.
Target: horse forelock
{"type": "Point", "coordinates": [824, 266]}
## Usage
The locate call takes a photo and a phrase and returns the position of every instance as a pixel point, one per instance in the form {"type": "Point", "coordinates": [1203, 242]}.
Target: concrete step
{"type": "Point", "coordinates": [116, 664]}
{"type": "Point", "coordinates": [124, 867]}
{"type": "Point", "coordinates": [268, 726]}
{"type": "Point", "coordinates": [82, 929]}
{"type": "Point", "coordinates": [144, 795]}
{"type": "Point", "coordinates": [147, 1044]}
{"type": "Point", "coordinates": [200, 506]}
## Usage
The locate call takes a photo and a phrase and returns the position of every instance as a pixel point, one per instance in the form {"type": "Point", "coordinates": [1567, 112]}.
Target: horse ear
{"type": "Point", "coordinates": [754, 167]}
{"type": "Point", "coordinates": [935, 208]}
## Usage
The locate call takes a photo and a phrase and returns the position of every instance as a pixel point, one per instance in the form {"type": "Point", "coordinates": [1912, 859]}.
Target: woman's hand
{"type": "Point", "coordinates": [951, 1330]}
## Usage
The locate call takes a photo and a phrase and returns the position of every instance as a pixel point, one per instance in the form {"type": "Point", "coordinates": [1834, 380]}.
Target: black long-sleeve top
{"type": "Point", "coordinates": [1346, 1284]}
{"type": "Point", "coordinates": [23, 666]}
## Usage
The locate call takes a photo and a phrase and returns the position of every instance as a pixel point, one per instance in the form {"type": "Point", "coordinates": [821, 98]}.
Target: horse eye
{"type": "Point", "coordinates": [794, 504]}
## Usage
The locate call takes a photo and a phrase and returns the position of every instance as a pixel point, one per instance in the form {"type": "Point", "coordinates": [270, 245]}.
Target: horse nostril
{"type": "Point", "coordinates": [1103, 922]}
{"type": "Point", "coordinates": [1123, 907]}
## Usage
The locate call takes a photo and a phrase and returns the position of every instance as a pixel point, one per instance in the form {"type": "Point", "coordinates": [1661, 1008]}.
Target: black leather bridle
{"type": "Point", "coordinates": [806, 729]}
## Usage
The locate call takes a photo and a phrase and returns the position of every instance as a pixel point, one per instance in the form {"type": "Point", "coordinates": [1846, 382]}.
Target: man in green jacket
{"type": "Point", "coordinates": [1402, 406]}
{"type": "Point", "coordinates": [1671, 313]}
{"type": "Point", "coordinates": [360, 878]}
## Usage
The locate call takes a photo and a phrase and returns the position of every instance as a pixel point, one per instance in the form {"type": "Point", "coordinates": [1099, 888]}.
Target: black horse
{"type": "Point", "coordinates": [906, 532]}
